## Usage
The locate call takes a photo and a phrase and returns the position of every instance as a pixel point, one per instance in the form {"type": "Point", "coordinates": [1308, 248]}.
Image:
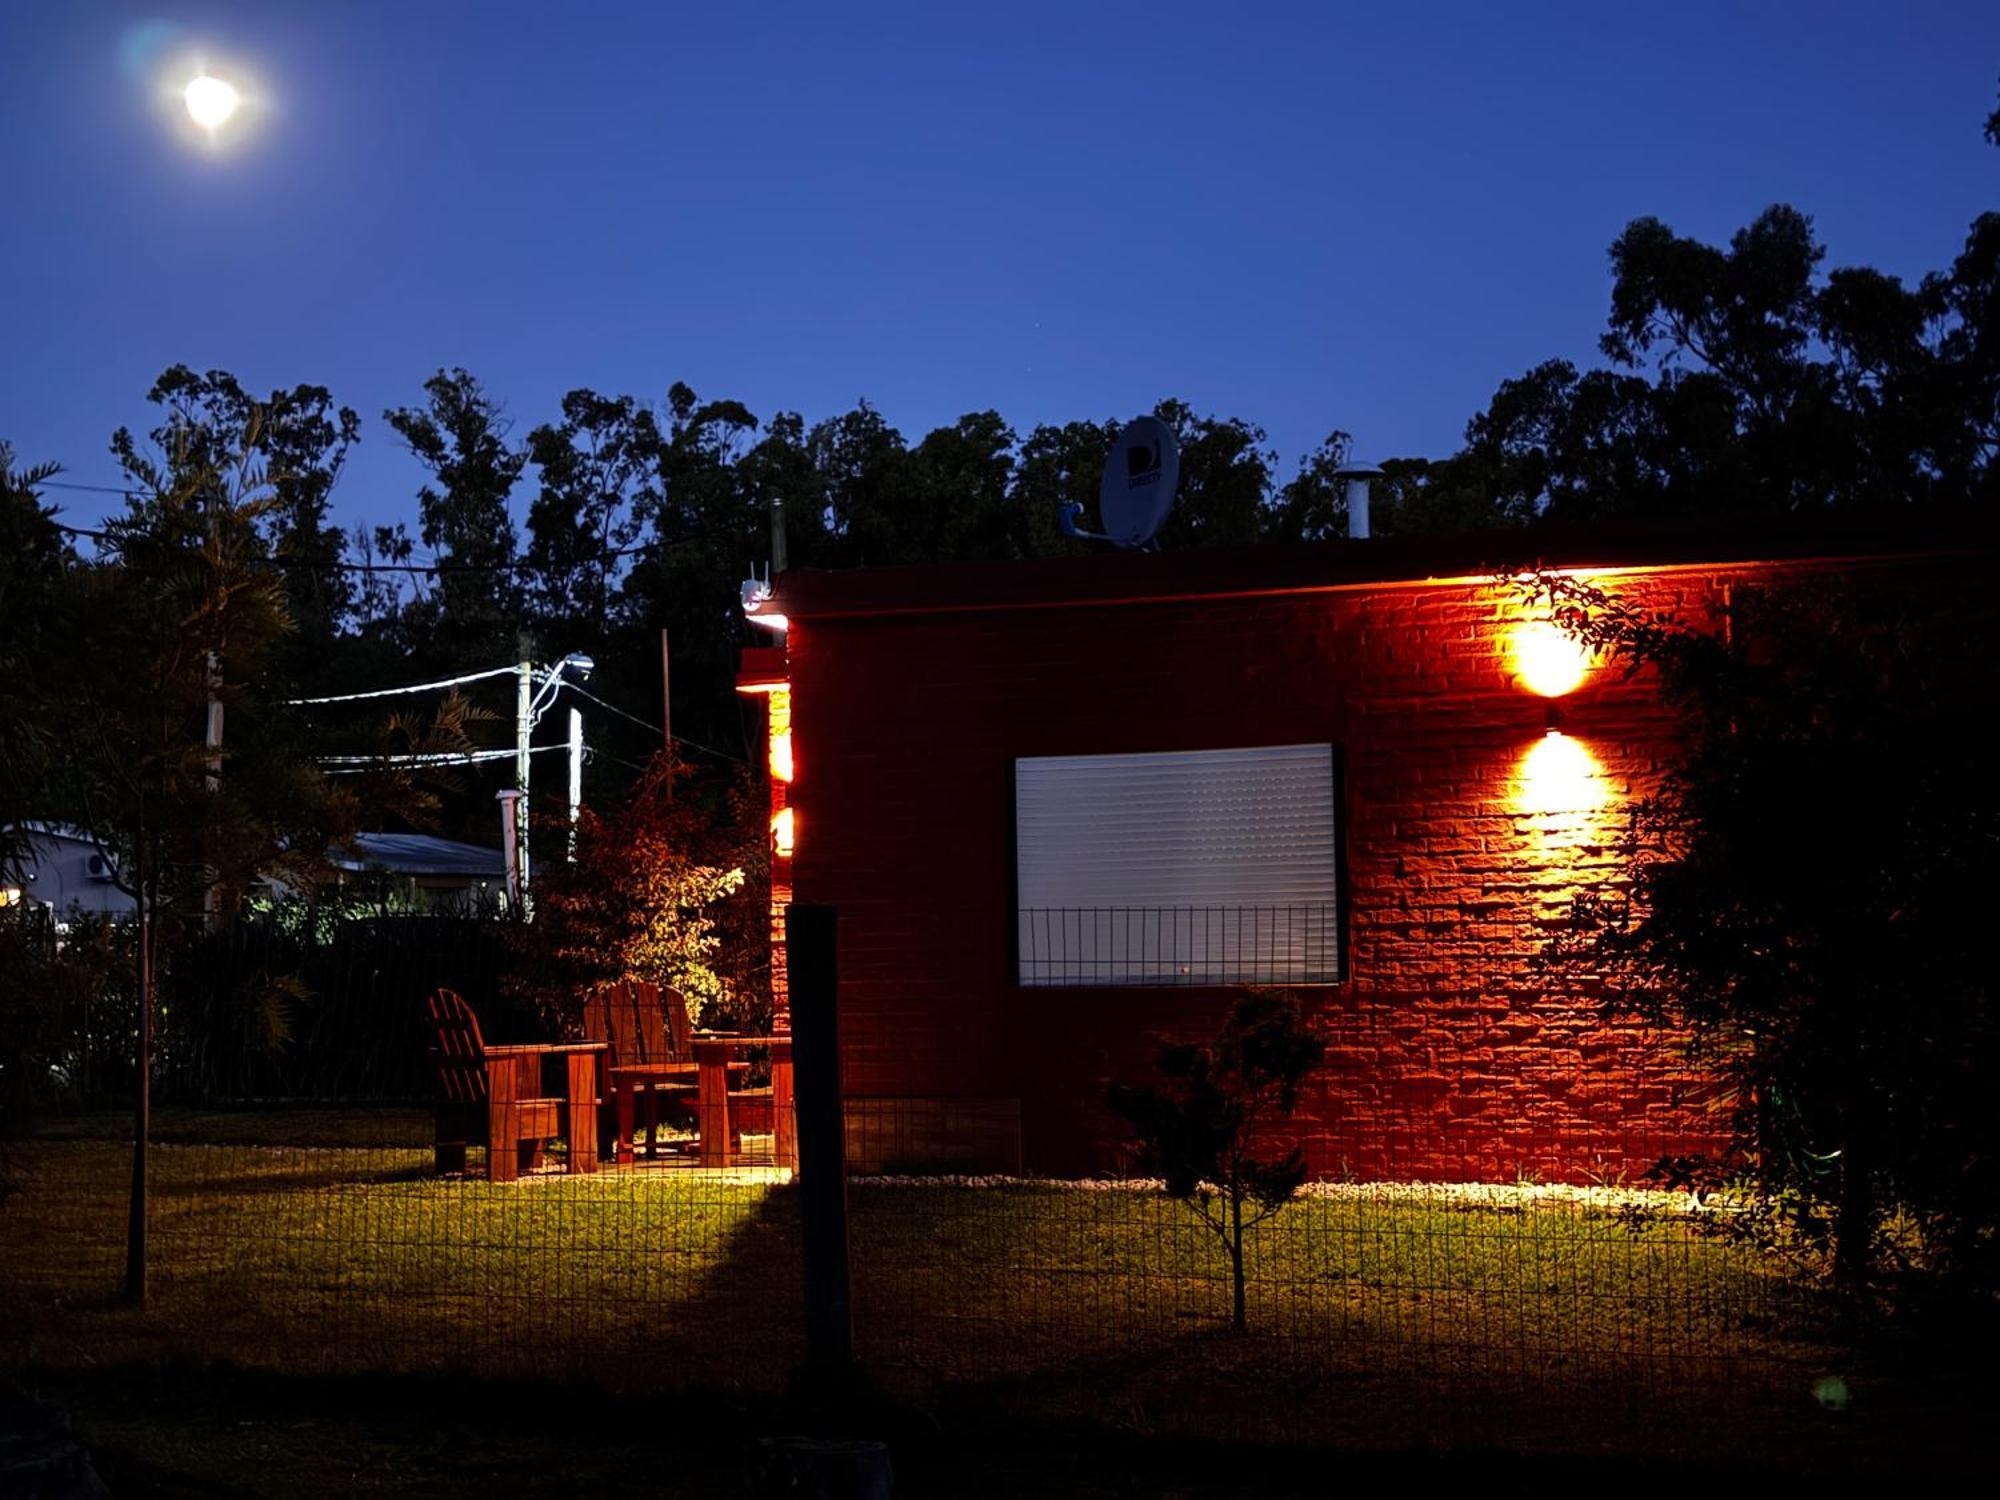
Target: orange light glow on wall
{"type": "Point", "coordinates": [1548, 660]}
{"type": "Point", "coordinates": [1559, 775]}
{"type": "Point", "coordinates": [784, 830]}
{"type": "Point", "coordinates": [780, 719]}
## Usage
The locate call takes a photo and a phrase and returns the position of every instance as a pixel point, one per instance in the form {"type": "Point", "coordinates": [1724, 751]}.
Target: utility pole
{"type": "Point", "coordinates": [524, 724]}
{"type": "Point", "coordinates": [666, 707]}
{"type": "Point", "coordinates": [575, 775]}
{"type": "Point", "coordinates": [778, 562]}
{"type": "Point", "coordinates": [211, 899]}
{"type": "Point", "coordinates": [142, 1109]}
{"type": "Point", "coordinates": [510, 850]}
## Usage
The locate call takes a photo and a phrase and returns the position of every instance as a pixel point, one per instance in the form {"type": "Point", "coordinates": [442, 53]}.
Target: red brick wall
{"type": "Point", "coordinates": [1449, 1056]}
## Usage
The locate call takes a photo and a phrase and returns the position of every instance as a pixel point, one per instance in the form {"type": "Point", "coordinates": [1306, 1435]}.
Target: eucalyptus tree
{"type": "Point", "coordinates": [598, 479]}
{"type": "Point", "coordinates": [301, 442]}
{"type": "Point", "coordinates": [33, 559]}
{"type": "Point", "coordinates": [1058, 465]}
{"type": "Point", "coordinates": [472, 616]}
{"type": "Point", "coordinates": [1225, 490]}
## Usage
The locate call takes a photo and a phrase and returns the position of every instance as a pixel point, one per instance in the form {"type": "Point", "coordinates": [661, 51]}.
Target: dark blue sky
{"type": "Point", "coordinates": [1311, 216]}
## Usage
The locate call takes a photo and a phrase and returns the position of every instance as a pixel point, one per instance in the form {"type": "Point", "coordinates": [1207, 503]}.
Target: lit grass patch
{"type": "Point", "coordinates": [330, 1258]}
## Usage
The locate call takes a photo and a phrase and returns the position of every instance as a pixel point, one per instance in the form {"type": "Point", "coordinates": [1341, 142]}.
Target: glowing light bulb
{"type": "Point", "coordinates": [1547, 659]}
{"type": "Point", "coordinates": [211, 102]}
{"type": "Point", "coordinates": [1558, 775]}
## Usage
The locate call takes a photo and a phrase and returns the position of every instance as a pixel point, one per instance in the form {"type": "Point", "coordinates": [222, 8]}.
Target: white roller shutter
{"type": "Point", "coordinates": [1193, 867]}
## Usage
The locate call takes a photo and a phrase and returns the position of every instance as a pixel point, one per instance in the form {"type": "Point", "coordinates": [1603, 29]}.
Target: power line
{"type": "Point", "coordinates": [679, 739]}
{"type": "Point", "coordinates": [634, 718]}
{"type": "Point", "coordinates": [94, 489]}
{"type": "Point", "coordinates": [425, 569]}
{"type": "Point", "coordinates": [618, 760]}
{"type": "Point", "coordinates": [439, 568]}
{"type": "Point", "coordinates": [397, 692]}
{"type": "Point", "coordinates": [350, 765]}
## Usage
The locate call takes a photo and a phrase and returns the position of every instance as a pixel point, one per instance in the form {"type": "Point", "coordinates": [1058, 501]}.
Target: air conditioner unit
{"type": "Point", "coordinates": [99, 868]}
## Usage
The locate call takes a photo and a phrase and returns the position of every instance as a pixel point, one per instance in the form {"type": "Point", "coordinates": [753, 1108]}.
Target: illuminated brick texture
{"type": "Point", "coordinates": [1468, 823]}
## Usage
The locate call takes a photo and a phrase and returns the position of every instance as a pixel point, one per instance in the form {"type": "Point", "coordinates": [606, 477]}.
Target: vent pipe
{"type": "Point", "coordinates": [1358, 477]}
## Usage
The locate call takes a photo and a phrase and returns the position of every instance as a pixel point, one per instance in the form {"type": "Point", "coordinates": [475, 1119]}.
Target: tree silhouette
{"type": "Point", "coordinates": [460, 436]}
{"type": "Point", "coordinates": [1806, 892]}
{"type": "Point", "coordinates": [1199, 1127]}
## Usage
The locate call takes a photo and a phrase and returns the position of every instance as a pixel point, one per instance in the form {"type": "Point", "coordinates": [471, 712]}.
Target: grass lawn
{"type": "Point", "coordinates": [320, 1245]}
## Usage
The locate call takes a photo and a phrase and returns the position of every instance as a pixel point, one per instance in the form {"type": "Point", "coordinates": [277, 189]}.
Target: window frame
{"type": "Point", "coordinates": [1343, 969]}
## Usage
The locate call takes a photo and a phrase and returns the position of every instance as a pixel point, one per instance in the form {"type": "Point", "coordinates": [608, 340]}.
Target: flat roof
{"type": "Point", "coordinates": [1117, 577]}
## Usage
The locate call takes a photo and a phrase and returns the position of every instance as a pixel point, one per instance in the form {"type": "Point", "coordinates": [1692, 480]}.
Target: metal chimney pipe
{"type": "Point", "coordinates": [1358, 477]}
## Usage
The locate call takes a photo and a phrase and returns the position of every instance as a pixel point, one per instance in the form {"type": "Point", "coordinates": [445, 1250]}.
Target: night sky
{"type": "Point", "coordinates": [1310, 216]}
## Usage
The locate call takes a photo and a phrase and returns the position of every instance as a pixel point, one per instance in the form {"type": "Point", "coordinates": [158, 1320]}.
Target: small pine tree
{"type": "Point", "coordinates": [1198, 1128]}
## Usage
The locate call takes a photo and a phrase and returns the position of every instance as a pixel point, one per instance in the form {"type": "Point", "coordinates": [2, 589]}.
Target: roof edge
{"type": "Point", "coordinates": [1155, 577]}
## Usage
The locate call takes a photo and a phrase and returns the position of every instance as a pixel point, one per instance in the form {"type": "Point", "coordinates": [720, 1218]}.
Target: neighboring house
{"type": "Point", "coordinates": [61, 868]}
{"type": "Point", "coordinates": [1066, 808]}
{"type": "Point", "coordinates": [427, 871]}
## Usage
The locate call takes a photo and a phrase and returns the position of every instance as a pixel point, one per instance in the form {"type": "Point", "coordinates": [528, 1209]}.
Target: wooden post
{"type": "Point", "coordinates": [503, 1118]}
{"type": "Point", "coordinates": [712, 1101]}
{"type": "Point", "coordinates": [142, 1114]}
{"type": "Point", "coordinates": [829, 1322]}
{"type": "Point", "coordinates": [581, 1126]}
{"type": "Point", "coordinates": [784, 1106]}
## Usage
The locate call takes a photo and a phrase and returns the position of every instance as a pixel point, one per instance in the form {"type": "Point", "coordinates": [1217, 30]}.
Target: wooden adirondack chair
{"type": "Point", "coordinates": [750, 1109]}
{"type": "Point", "coordinates": [627, 1015]}
{"type": "Point", "coordinates": [488, 1101]}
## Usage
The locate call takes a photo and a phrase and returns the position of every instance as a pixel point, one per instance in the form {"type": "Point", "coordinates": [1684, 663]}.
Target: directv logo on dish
{"type": "Point", "coordinates": [1142, 465]}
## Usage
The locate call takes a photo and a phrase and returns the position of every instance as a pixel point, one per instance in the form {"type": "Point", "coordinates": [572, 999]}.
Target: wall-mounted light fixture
{"type": "Point", "coordinates": [1548, 660]}
{"type": "Point", "coordinates": [1559, 775]}
{"type": "Point", "coordinates": [1556, 774]}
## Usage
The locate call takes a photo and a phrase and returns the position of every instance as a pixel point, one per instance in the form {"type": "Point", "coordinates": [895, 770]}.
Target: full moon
{"type": "Point", "coordinates": [210, 102]}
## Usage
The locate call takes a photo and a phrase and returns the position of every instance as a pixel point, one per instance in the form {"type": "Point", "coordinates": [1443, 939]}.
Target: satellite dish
{"type": "Point", "coordinates": [1141, 474]}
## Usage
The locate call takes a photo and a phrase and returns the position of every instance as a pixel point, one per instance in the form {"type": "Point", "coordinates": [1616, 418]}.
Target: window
{"type": "Point", "coordinates": [1198, 867]}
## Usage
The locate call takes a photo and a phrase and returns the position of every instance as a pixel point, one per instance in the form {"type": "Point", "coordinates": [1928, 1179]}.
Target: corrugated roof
{"type": "Point", "coordinates": [420, 854]}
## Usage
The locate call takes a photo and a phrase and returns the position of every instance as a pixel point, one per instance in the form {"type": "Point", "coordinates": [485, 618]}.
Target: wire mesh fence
{"type": "Point", "coordinates": [1407, 1303]}
{"type": "Point", "coordinates": [1510, 1315]}
{"type": "Point", "coordinates": [327, 1241]}
{"type": "Point", "coordinates": [1499, 1315]}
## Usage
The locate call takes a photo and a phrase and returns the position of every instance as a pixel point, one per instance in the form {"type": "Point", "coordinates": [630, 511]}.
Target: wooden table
{"type": "Point", "coordinates": [579, 1095]}
{"type": "Point", "coordinates": [713, 1056]}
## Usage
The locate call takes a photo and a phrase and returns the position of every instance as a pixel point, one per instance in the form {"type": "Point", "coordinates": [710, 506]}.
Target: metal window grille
{"type": "Point", "coordinates": [1158, 945]}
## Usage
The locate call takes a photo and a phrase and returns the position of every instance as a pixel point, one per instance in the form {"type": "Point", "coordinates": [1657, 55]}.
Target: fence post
{"type": "Point", "coordinates": [142, 1113]}
{"type": "Point", "coordinates": [829, 1324]}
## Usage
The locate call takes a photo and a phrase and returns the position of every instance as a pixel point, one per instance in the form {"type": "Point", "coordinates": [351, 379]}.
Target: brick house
{"type": "Point", "coordinates": [1065, 807]}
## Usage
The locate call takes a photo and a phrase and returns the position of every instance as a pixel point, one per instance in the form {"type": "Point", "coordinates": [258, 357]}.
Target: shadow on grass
{"type": "Point", "coordinates": [1038, 1306]}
